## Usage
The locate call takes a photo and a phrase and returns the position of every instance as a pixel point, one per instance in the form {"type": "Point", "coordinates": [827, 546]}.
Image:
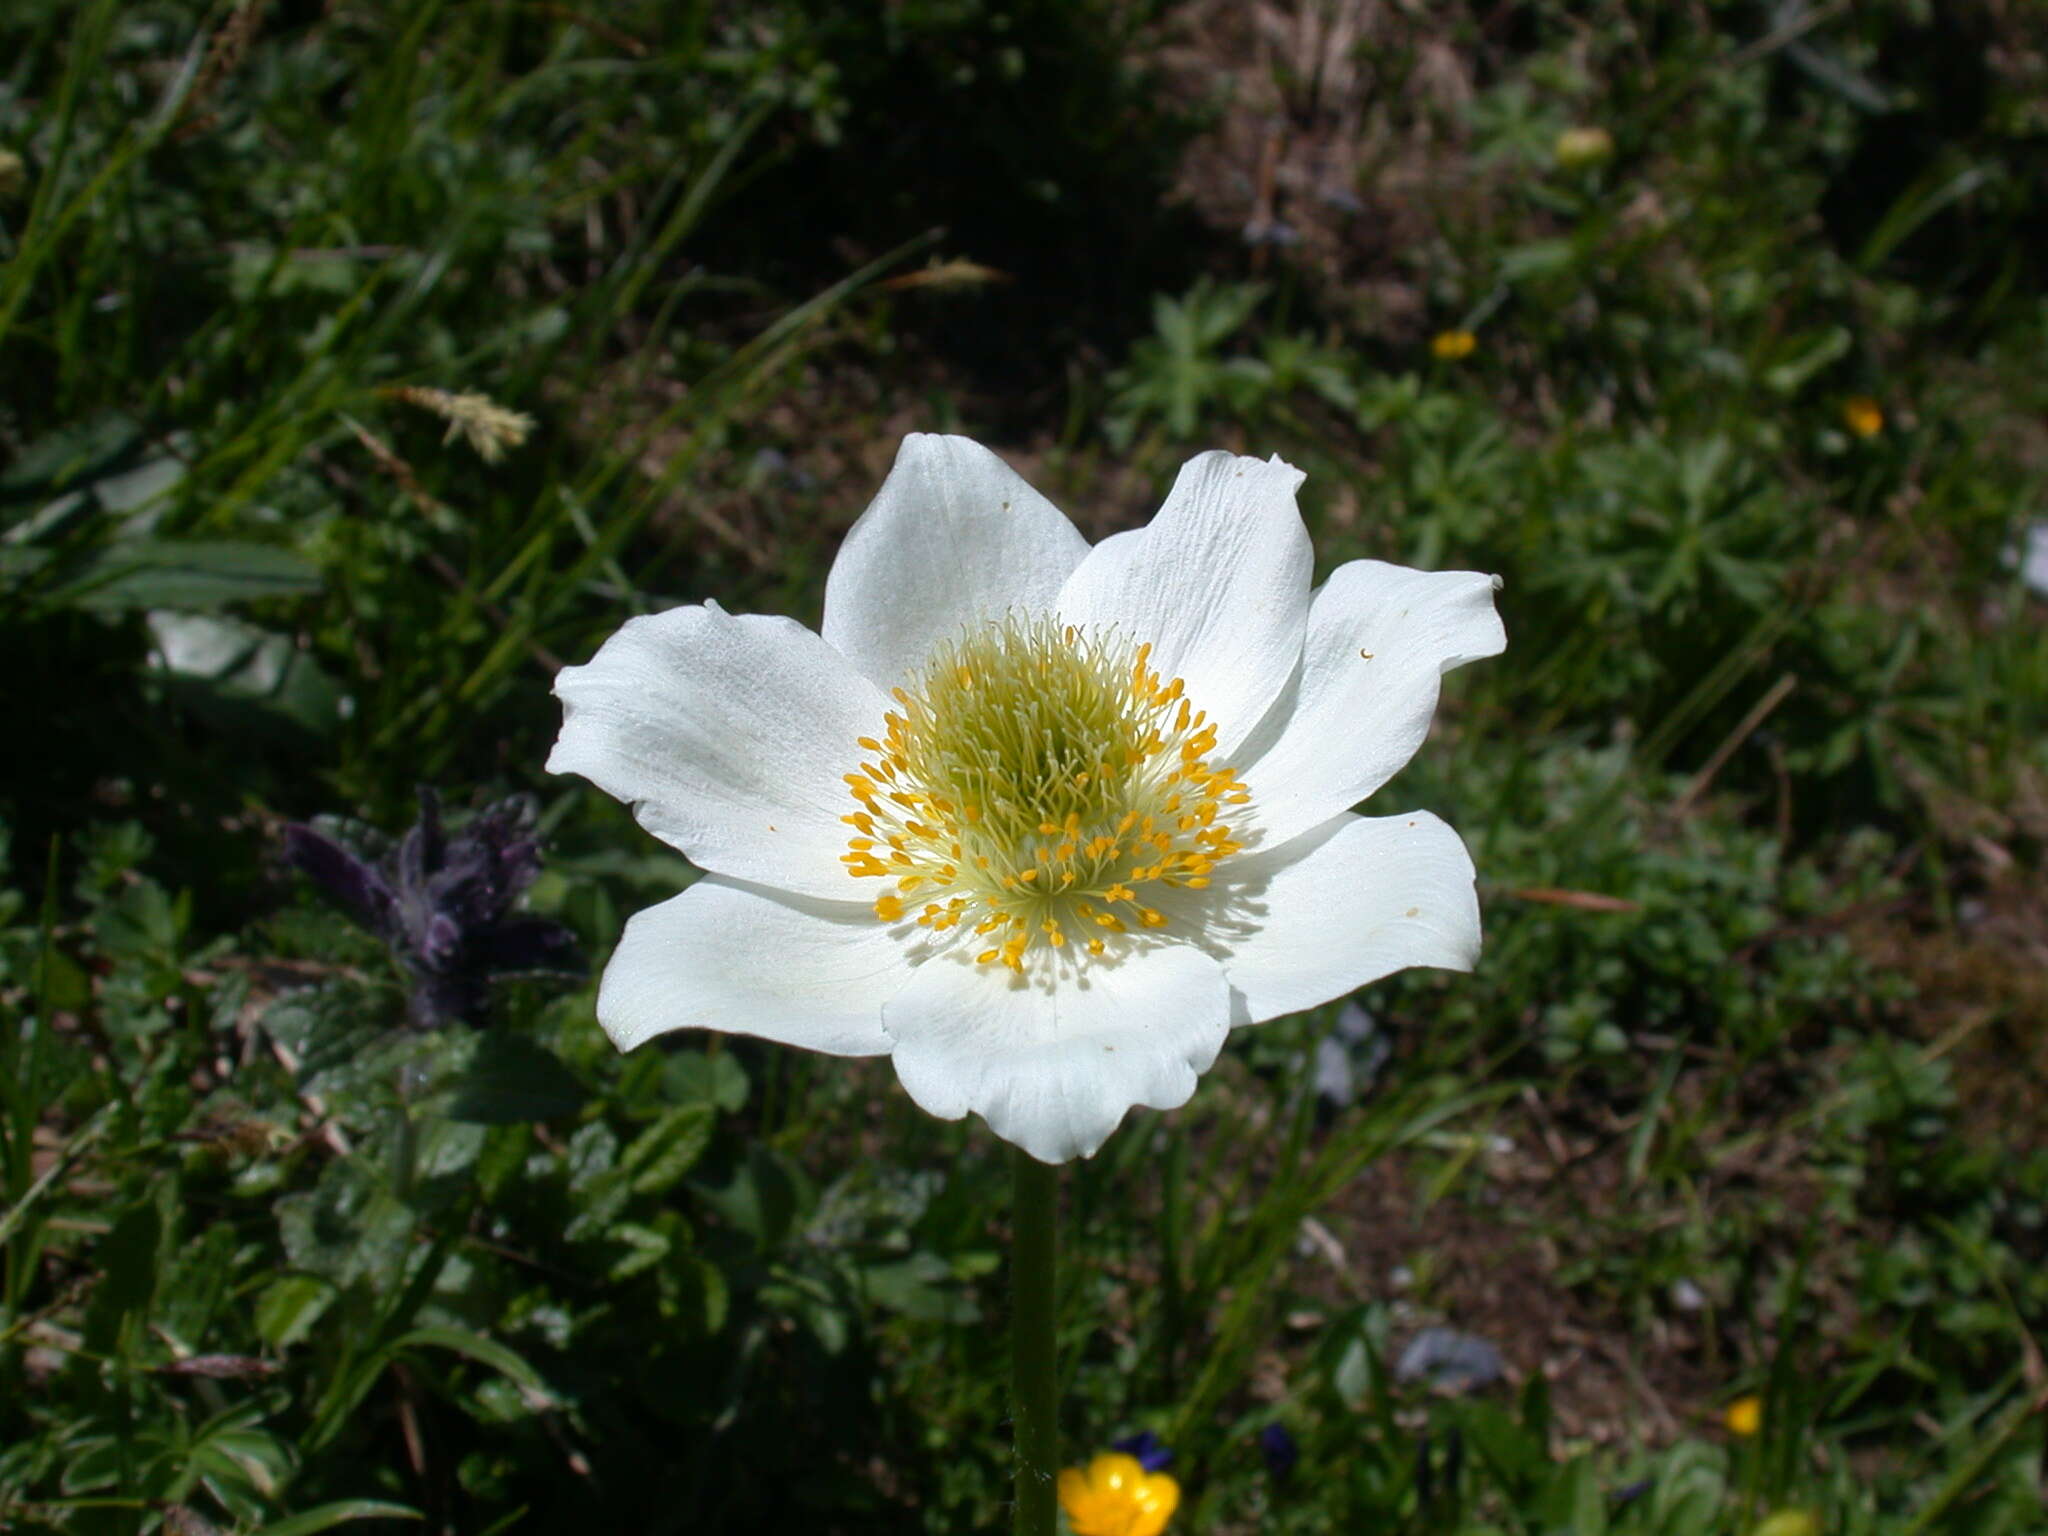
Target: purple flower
{"type": "Point", "coordinates": [1279, 1449]}
{"type": "Point", "coordinates": [443, 901]}
{"type": "Point", "coordinates": [1144, 1445]}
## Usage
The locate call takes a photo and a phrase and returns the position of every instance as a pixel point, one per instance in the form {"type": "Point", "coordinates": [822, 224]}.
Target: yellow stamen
{"type": "Point", "coordinates": [1033, 774]}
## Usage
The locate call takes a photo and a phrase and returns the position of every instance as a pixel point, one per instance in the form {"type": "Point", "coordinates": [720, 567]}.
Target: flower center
{"type": "Point", "coordinates": [1038, 783]}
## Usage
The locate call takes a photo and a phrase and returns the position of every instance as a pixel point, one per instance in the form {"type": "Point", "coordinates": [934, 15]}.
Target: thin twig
{"type": "Point", "coordinates": [224, 56]}
{"type": "Point", "coordinates": [1758, 713]}
{"type": "Point", "coordinates": [1789, 33]}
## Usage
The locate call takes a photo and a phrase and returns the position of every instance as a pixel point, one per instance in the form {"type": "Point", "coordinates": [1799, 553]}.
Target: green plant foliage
{"type": "Point", "coordinates": [1743, 1100]}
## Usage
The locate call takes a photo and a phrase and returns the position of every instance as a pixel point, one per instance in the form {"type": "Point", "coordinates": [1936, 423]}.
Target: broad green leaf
{"type": "Point", "coordinates": [70, 455]}
{"type": "Point", "coordinates": [921, 1286]}
{"type": "Point", "coordinates": [288, 1309]}
{"type": "Point", "coordinates": [514, 1080]}
{"type": "Point", "coordinates": [689, 1076]}
{"type": "Point", "coordinates": [185, 573]}
{"type": "Point", "coordinates": [231, 670]}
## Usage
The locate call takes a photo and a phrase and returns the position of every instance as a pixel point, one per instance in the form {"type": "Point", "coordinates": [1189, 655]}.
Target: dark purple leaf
{"type": "Point", "coordinates": [357, 886]}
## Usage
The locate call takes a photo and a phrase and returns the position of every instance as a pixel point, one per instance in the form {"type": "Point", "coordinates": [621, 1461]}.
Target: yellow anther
{"type": "Point", "coordinates": [1029, 747]}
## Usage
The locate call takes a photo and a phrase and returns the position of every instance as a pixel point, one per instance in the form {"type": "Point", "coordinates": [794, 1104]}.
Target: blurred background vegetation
{"type": "Point", "coordinates": [1715, 327]}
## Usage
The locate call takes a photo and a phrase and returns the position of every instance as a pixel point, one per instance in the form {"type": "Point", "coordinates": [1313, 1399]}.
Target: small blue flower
{"type": "Point", "coordinates": [443, 901]}
{"type": "Point", "coordinates": [1145, 1446]}
{"type": "Point", "coordinates": [1279, 1449]}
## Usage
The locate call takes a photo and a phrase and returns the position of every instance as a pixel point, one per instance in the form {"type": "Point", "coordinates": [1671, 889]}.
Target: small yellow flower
{"type": "Point", "coordinates": [1789, 1522]}
{"type": "Point", "coordinates": [1863, 415]}
{"type": "Point", "coordinates": [13, 175]}
{"type": "Point", "coordinates": [1450, 346]}
{"type": "Point", "coordinates": [1744, 1416]}
{"type": "Point", "coordinates": [1116, 1496]}
{"type": "Point", "coordinates": [1581, 147]}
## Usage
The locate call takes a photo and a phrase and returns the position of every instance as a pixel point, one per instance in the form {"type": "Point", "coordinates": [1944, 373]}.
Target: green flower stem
{"type": "Point", "coordinates": [1034, 1341]}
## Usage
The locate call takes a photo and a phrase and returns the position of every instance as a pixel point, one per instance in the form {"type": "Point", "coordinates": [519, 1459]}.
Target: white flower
{"type": "Point", "coordinates": [1038, 821]}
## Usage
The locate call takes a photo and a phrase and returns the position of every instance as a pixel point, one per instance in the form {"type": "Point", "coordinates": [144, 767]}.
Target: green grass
{"type": "Point", "coordinates": [1743, 1098]}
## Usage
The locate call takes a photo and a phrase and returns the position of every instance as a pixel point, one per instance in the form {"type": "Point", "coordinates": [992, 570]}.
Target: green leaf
{"type": "Point", "coordinates": [668, 1149]}
{"type": "Point", "coordinates": [126, 1260]}
{"type": "Point", "coordinates": [326, 1516]}
{"type": "Point", "coordinates": [1538, 258]}
{"type": "Point", "coordinates": [186, 573]}
{"type": "Point", "coordinates": [514, 1080]}
{"type": "Point", "coordinates": [645, 1247]}
{"type": "Point", "coordinates": [288, 1309]}
{"type": "Point", "coordinates": [1804, 357]}
{"type": "Point", "coordinates": [760, 1199]}
{"type": "Point", "coordinates": [474, 1346]}
{"type": "Point", "coordinates": [690, 1076]}
{"type": "Point", "coordinates": [81, 451]}
{"type": "Point", "coordinates": [228, 669]}
{"type": "Point", "coordinates": [922, 1287]}
{"type": "Point", "coordinates": [704, 1284]}
{"type": "Point", "coordinates": [196, 1286]}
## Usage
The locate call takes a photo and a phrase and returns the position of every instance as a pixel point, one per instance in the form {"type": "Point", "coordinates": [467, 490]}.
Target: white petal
{"type": "Point", "coordinates": [1053, 1063]}
{"type": "Point", "coordinates": [1380, 638]}
{"type": "Point", "coordinates": [733, 957]}
{"type": "Point", "coordinates": [953, 537]}
{"type": "Point", "coordinates": [1354, 900]}
{"type": "Point", "coordinates": [1217, 582]}
{"type": "Point", "coordinates": [728, 736]}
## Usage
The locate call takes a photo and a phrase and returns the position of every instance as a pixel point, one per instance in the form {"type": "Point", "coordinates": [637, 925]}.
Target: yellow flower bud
{"type": "Point", "coordinates": [1451, 346]}
{"type": "Point", "coordinates": [1863, 415]}
{"type": "Point", "coordinates": [1581, 147]}
{"type": "Point", "coordinates": [1789, 1522]}
{"type": "Point", "coordinates": [13, 175]}
{"type": "Point", "coordinates": [1744, 1416]}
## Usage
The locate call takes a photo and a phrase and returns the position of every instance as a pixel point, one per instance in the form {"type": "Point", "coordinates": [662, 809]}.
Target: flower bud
{"type": "Point", "coordinates": [1578, 148]}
